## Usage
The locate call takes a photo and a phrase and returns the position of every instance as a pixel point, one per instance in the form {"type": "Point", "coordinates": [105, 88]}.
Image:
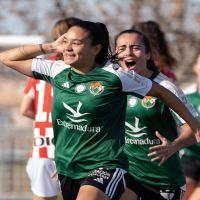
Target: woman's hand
{"type": "Point", "coordinates": [57, 46]}
{"type": "Point", "coordinates": [163, 151]}
{"type": "Point", "coordinates": [54, 174]}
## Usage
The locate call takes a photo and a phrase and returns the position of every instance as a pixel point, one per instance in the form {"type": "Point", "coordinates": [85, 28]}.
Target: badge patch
{"type": "Point", "coordinates": [132, 102]}
{"type": "Point", "coordinates": [96, 89]}
{"type": "Point", "coordinates": [80, 88]}
{"type": "Point", "coordinates": [148, 101]}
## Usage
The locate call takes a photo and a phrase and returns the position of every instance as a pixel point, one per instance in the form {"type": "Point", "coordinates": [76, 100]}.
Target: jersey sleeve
{"type": "Point", "coordinates": [180, 94]}
{"type": "Point", "coordinates": [47, 69]}
{"type": "Point", "coordinates": [132, 83]}
{"type": "Point", "coordinates": [29, 90]}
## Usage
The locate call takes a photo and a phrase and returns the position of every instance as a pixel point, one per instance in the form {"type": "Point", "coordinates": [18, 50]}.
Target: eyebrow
{"type": "Point", "coordinates": [136, 45]}
{"type": "Point", "coordinates": [74, 39]}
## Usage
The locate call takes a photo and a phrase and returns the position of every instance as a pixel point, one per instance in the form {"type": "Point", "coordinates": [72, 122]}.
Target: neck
{"type": "Point", "coordinates": [146, 73]}
{"type": "Point", "coordinates": [85, 70]}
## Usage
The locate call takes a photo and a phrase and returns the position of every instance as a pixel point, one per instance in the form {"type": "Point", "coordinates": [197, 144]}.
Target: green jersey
{"type": "Point", "coordinates": [88, 114]}
{"type": "Point", "coordinates": [143, 118]}
{"type": "Point", "coordinates": [194, 150]}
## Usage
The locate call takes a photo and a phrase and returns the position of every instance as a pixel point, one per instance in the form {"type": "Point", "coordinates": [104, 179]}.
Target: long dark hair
{"type": "Point", "coordinates": [98, 33]}
{"type": "Point", "coordinates": [158, 41]}
{"type": "Point", "coordinates": [150, 62]}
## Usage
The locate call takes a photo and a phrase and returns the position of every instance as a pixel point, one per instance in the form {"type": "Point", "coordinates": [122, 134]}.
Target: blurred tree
{"type": "Point", "coordinates": [179, 19]}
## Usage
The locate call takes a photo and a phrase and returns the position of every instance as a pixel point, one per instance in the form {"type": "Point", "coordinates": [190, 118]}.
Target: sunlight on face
{"type": "Point", "coordinates": [131, 51]}
{"type": "Point", "coordinates": [77, 48]}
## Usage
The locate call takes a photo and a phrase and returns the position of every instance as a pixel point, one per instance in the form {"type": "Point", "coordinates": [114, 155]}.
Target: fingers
{"type": "Point", "coordinates": [156, 147]}
{"type": "Point", "coordinates": [163, 157]}
{"type": "Point", "coordinates": [155, 153]}
{"type": "Point", "coordinates": [163, 160]}
{"type": "Point", "coordinates": [54, 174]}
{"type": "Point", "coordinates": [159, 136]}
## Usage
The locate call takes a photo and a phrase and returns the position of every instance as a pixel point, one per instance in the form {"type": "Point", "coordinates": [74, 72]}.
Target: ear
{"type": "Point", "coordinates": [97, 49]}
{"type": "Point", "coordinates": [148, 55]}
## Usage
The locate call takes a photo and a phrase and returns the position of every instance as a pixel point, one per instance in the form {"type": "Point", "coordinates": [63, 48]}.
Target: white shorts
{"type": "Point", "coordinates": [39, 171]}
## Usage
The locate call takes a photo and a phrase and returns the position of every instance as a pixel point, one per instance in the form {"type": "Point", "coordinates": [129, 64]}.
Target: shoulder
{"type": "Point", "coordinates": [110, 67]}
{"type": "Point", "coordinates": [166, 82]}
{"type": "Point", "coordinates": [48, 67]}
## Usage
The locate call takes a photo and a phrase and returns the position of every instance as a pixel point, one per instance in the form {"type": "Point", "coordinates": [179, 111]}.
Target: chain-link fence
{"type": "Point", "coordinates": [16, 134]}
{"type": "Point", "coordinates": [15, 146]}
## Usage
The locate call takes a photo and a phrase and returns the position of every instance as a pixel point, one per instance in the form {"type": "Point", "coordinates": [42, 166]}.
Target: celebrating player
{"type": "Point", "coordinates": [88, 108]}
{"type": "Point", "coordinates": [143, 118]}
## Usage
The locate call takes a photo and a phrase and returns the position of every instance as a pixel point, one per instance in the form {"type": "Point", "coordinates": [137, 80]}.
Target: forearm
{"type": "Point", "coordinates": [25, 52]}
{"type": "Point", "coordinates": [20, 59]}
{"type": "Point", "coordinates": [173, 102]}
{"type": "Point", "coordinates": [29, 114]}
{"type": "Point", "coordinates": [186, 138]}
{"type": "Point", "coordinates": [27, 107]}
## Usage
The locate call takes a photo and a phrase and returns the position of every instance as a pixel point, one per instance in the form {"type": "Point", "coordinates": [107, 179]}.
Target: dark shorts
{"type": "Point", "coordinates": [191, 167]}
{"type": "Point", "coordinates": [111, 182]}
{"type": "Point", "coordinates": [148, 192]}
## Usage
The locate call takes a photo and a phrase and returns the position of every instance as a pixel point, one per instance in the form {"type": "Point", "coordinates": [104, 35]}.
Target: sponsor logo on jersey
{"type": "Point", "coordinates": [96, 88]}
{"type": "Point", "coordinates": [146, 141]}
{"type": "Point", "coordinates": [75, 114]}
{"type": "Point", "coordinates": [133, 131]}
{"type": "Point", "coordinates": [148, 101]}
{"type": "Point", "coordinates": [100, 180]}
{"type": "Point", "coordinates": [77, 127]}
{"type": "Point", "coordinates": [80, 88]}
{"type": "Point", "coordinates": [132, 102]}
{"type": "Point", "coordinates": [66, 84]}
{"type": "Point", "coordinates": [101, 173]}
{"type": "Point", "coordinates": [76, 117]}
{"type": "Point", "coordinates": [167, 194]}
{"type": "Point", "coordinates": [42, 141]}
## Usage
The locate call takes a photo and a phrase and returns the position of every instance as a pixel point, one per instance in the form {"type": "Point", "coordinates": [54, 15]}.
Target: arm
{"type": "Point", "coordinates": [167, 149]}
{"type": "Point", "coordinates": [169, 99]}
{"type": "Point", "coordinates": [20, 59]}
{"type": "Point", "coordinates": [27, 107]}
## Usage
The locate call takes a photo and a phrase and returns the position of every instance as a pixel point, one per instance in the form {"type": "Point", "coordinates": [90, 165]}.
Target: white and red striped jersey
{"type": "Point", "coordinates": [42, 94]}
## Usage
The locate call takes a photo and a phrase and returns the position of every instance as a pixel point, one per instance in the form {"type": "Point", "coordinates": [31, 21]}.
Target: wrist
{"type": "Point", "coordinates": [177, 145]}
{"type": "Point", "coordinates": [47, 48]}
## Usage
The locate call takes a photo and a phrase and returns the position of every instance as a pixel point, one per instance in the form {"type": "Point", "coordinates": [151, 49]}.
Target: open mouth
{"type": "Point", "coordinates": [130, 64]}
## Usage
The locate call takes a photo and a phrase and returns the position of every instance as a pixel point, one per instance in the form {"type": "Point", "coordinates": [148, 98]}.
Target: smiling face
{"type": "Point", "coordinates": [131, 51]}
{"type": "Point", "coordinates": [77, 49]}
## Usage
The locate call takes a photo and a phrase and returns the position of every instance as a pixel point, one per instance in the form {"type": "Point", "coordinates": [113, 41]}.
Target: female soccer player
{"type": "Point", "coordinates": [36, 104]}
{"type": "Point", "coordinates": [88, 108]}
{"type": "Point", "coordinates": [144, 117]}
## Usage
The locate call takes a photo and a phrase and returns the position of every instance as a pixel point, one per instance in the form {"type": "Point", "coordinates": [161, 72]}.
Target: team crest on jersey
{"type": "Point", "coordinates": [96, 89]}
{"type": "Point", "coordinates": [132, 102]}
{"type": "Point", "coordinates": [80, 88]}
{"type": "Point", "coordinates": [148, 101]}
